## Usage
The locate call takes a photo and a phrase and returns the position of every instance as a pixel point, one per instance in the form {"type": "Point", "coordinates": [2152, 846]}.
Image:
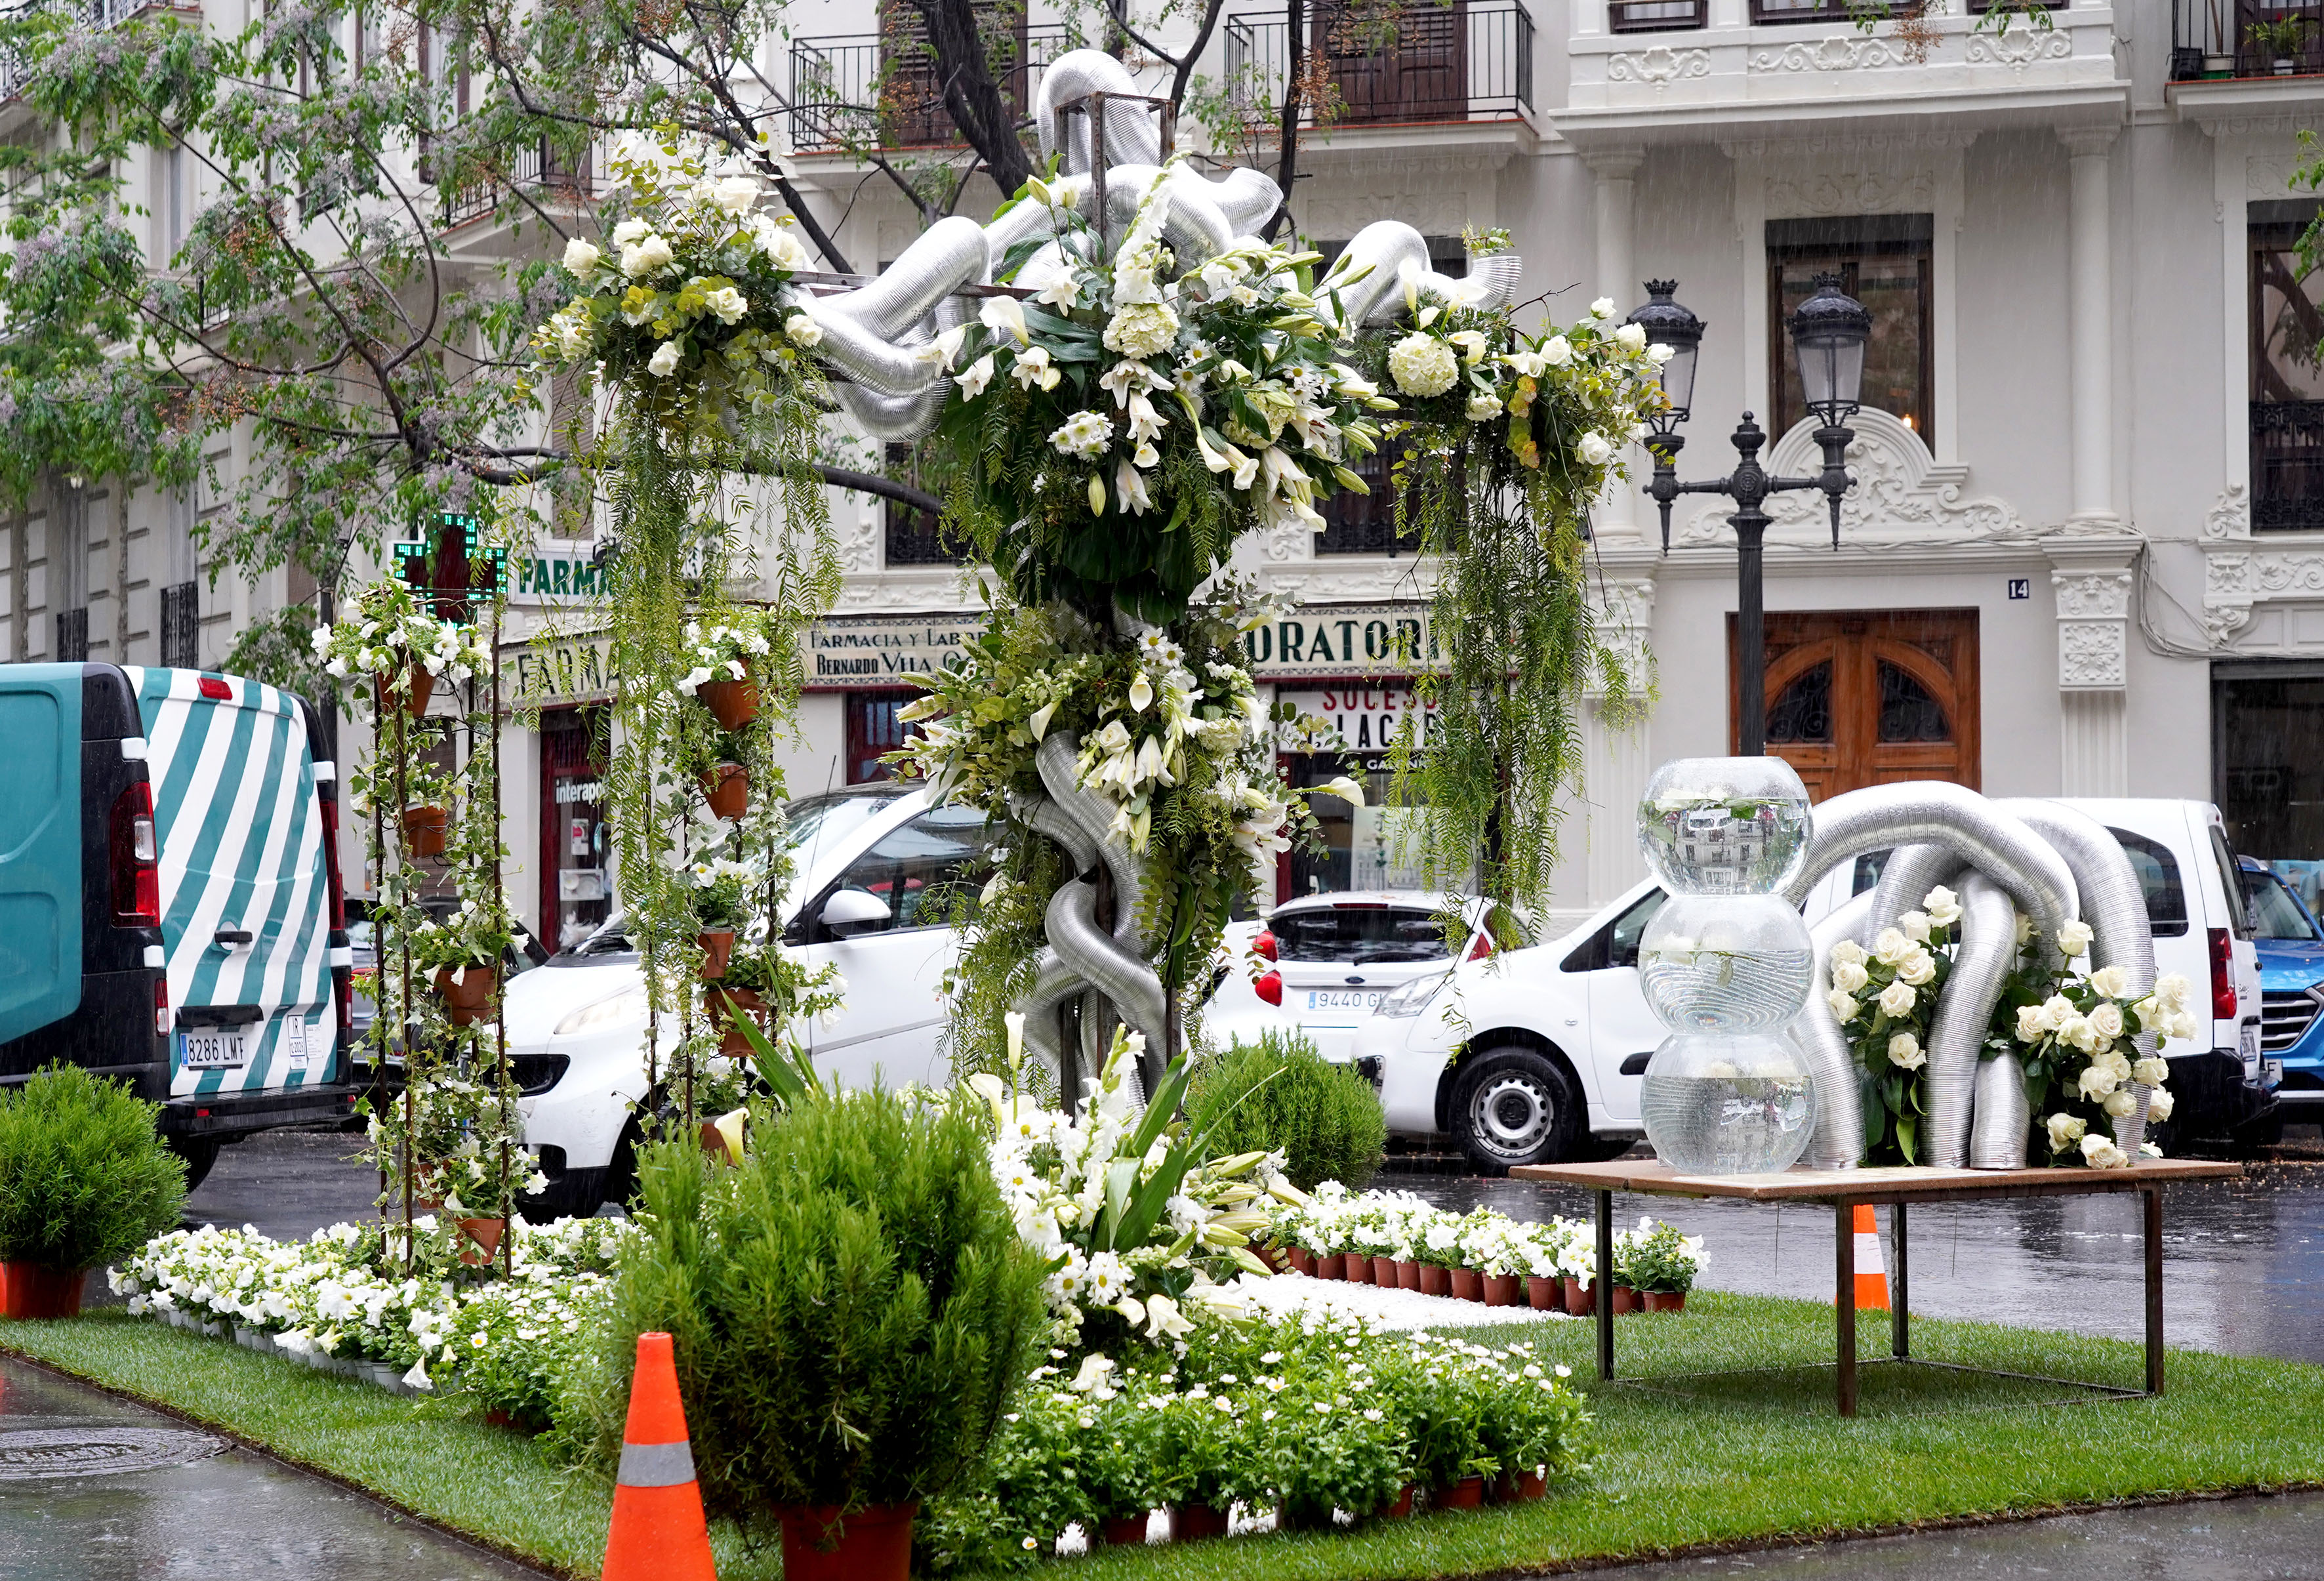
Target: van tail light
{"type": "Point", "coordinates": [338, 919]}
{"type": "Point", "coordinates": [215, 687]}
{"type": "Point", "coordinates": [1264, 944]}
{"type": "Point", "coordinates": [133, 855]}
{"type": "Point", "coordinates": [2223, 976]}
{"type": "Point", "coordinates": [1481, 950]}
{"type": "Point", "coordinates": [343, 991]}
{"type": "Point", "coordinates": [162, 1006]}
{"type": "Point", "coordinates": [1270, 988]}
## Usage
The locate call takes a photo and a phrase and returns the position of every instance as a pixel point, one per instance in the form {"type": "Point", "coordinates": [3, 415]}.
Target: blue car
{"type": "Point", "coordinates": [2291, 991]}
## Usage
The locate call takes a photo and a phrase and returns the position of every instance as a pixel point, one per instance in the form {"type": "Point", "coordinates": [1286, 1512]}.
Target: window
{"type": "Point", "coordinates": [1884, 261]}
{"type": "Point", "coordinates": [2158, 878]}
{"type": "Point", "coordinates": [873, 730]}
{"type": "Point", "coordinates": [2287, 377]}
{"type": "Point", "coordinates": [2267, 765]}
{"type": "Point", "coordinates": [1867, 870]}
{"type": "Point", "coordinates": [1359, 935]}
{"type": "Point", "coordinates": [1617, 943]}
{"type": "Point", "coordinates": [2275, 911]}
{"type": "Point", "coordinates": [1365, 523]}
{"type": "Point", "coordinates": [913, 536]}
{"type": "Point", "coordinates": [181, 626]}
{"type": "Point", "coordinates": [921, 872]}
{"type": "Point", "coordinates": [1802, 711]}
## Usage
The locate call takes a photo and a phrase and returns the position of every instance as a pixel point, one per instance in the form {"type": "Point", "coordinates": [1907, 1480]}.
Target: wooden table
{"type": "Point", "coordinates": [1845, 1191]}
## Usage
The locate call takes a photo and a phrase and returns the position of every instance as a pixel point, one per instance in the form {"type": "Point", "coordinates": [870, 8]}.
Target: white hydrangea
{"type": "Point", "coordinates": [1421, 365]}
{"type": "Point", "coordinates": [1142, 330]}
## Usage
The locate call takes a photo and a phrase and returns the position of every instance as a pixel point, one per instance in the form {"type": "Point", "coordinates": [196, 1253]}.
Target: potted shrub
{"type": "Point", "coordinates": [1662, 1265]}
{"type": "Point", "coordinates": [858, 1266]}
{"type": "Point", "coordinates": [1577, 1266]}
{"type": "Point", "coordinates": [1534, 1432]}
{"type": "Point", "coordinates": [2280, 41]}
{"type": "Point", "coordinates": [721, 678]}
{"type": "Point", "coordinates": [1439, 1251]}
{"type": "Point", "coordinates": [1445, 1405]}
{"type": "Point", "coordinates": [1280, 1095]}
{"type": "Point", "coordinates": [84, 1180]}
{"type": "Point", "coordinates": [1336, 1457]}
{"type": "Point", "coordinates": [391, 637]}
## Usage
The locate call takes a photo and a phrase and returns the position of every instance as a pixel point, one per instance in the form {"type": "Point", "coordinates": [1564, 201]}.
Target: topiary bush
{"type": "Point", "coordinates": [85, 1178]}
{"type": "Point", "coordinates": [850, 1308]}
{"type": "Point", "coordinates": [1325, 1118]}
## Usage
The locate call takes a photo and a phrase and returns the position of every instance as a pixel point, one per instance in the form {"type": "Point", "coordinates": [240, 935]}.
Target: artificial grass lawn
{"type": "Point", "coordinates": [1684, 1463]}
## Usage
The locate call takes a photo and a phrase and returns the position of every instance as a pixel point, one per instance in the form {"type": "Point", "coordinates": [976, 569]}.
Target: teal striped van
{"type": "Point", "coordinates": [180, 828]}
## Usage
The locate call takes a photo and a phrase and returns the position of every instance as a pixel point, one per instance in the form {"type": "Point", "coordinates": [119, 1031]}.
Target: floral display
{"type": "Point", "coordinates": [2079, 1041]}
{"type": "Point", "coordinates": [388, 634]}
{"type": "Point", "coordinates": [1125, 422]}
{"type": "Point", "coordinates": [1885, 1000]}
{"type": "Point", "coordinates": [1400, 1224]}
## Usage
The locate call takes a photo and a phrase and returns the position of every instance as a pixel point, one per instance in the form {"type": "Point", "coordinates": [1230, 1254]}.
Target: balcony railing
{"type": "Point", "coordinates": [2287, 465]}
{"type": "Point", "coordinates": [1456, 61]}
{"type": "Point", "coordinates": [874, 90]}
{"type": "Point", "coordinates": [2220, 39]}
{"type": "Point", "coordinates": [537, 168]}
{"type": "Point", "coordinates": [15, 70]}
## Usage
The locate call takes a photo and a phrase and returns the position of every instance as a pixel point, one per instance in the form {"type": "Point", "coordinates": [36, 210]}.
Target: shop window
{"type": "Point", "coordinates": [2287, 373]}
{"type": "Point", "coordinates": [1884, 261]}
{"type": "Point", "coordinates": [577, 891]}
{"type": "Point", "coordinates": [2267, 757]}
{"type": "Point", "coordinates": [874, 730]}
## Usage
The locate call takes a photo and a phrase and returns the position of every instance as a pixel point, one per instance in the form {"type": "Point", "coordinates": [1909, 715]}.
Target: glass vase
{"type": "Point", "coordinates": [1724, 826]}
{"type": "Point", "coordinates": [1720, 1104]}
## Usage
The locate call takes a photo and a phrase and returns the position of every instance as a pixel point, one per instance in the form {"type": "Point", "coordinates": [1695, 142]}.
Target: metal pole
{"type": "Point", "coordinates": [403, 950]}
{"type": "Point", "coordinates": [1843, 1236]}
{"type": "Point", "coordinates": [1899, 1322]}
{"type": "Point", "coordinates": [500, 977]}
{"type": "Point", "coordinates": [1603, 1283]}
{"type": "Point", "coordinates": [1750, 632]}
{"type": "Point", "coordinates": [2153, 1204]}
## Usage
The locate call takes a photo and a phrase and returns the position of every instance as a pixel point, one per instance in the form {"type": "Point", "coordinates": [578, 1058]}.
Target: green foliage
{"type": "Point", "coordinates": [851, 1307]}
{"type": "Point", "coordinates": [1282, 1095]}
{"type": "Point", "coordinates": [84, 1178]}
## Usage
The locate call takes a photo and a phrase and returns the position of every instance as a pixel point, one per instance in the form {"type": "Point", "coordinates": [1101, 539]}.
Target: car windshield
{"type": "Point", "coordinates": [827, 819]}
{"type": "Point", "coordinates": [2274, 913]}
{"type": "Point", "coordinates": [610, 938]}
{"type": "Point", "coordinates": [1359, 935]}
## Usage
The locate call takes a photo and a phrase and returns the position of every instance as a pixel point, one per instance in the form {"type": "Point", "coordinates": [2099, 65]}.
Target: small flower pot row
{"type": "Point", "coordinates": [1566, 1294]}
{"type": "Point", "coordinates": [1194, 1522]}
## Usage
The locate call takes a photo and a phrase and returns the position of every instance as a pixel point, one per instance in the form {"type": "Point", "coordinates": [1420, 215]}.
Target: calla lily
{"type": "Point", "coordinates": [1141, 693]}
{"type": "Point", "coordinates": [1096, 495]}
{"type": "Point", "coordinates": [1015, 1022]}
{"type": "Point", "coordinates": [1039, 723]}
{"type": "Point", "coordinates": [1002, 313]}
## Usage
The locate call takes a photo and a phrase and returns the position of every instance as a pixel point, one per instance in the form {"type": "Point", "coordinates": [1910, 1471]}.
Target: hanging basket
{"type": "Point", "coordinates": [732, 703]}
{"type": "Point", "coordinates": [419, 687]}
{"type": "Point", "coordinates": [717, 945]}
{"type": "Point", "coordinates": [727, 788]}
{"type": "Point", "coordinates": [480, 1240]}
{"type": "Point", "coordinates": [470, 999]}
{"type": "Point", "coordinates": [870, 1545]}
{"type": "Point", "coordinates": [30, 1291]}
{"type": "Point", "coordinates": [426, 830]}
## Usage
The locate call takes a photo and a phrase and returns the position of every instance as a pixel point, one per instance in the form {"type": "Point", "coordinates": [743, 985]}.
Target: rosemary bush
{"type": "Point", "coordinates": [1323, 1118]}
{"type": "Point", "coordinates": [84, 1179]}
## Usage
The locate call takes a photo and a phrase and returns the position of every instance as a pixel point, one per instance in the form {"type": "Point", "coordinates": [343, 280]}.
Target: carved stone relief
{"type": "Point", "coordinates": [2019, 47]}
{"type": "Point", "coordinates": [1900, 492]}
{"type": "Point", "coordinates": [1836, 53]}
{"type": "Point", "coordinates": [2230, 516]}
{"type": "Point", "coordinates": [2092, 595]}
{"type": "Point", "coordinates": [2092, 655]}
{"type": "Point", "coordinates": [1660, 65]}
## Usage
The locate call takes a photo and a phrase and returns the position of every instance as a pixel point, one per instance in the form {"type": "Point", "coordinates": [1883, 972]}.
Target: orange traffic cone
{"type": "Point", "coordinates": [658, 1533]}
{"type": "Point", "coordinates": [1871, 1273]}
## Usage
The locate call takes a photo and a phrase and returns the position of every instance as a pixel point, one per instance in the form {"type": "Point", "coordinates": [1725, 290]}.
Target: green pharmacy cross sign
{"type": "Point", "coordinates": [447, 567]}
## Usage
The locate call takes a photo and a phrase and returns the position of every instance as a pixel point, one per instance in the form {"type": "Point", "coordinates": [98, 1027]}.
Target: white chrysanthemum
{"type": "Point", "coordinates": [1422, 365]}
{"type": "Point", "coordinates": [1142, 330]}
{"type": "Point", "coordinates": [1085, 434]}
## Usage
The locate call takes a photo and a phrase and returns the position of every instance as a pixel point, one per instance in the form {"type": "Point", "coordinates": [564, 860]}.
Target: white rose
{"type": "Point", "coordinates": [1917, 968]}
{"type": "Point", "coordinates": [2065, 1130]}
{"type": "Point", "coordinates": [1943, 906]}
{"type": "Point", "coordinates": [1891, 946]}
{"type": "Point", "coordinates": [2122, 1103]}
{"type": "Point", "coordinates": [1594, 448]}
{"type": "Point", "coordinates": [2158, 1105]}
{"type": "Point", "coordinates": [1850, 976]}
{"type": "Point", "coordinates": [2111, 981]}
{"type": "Point", "coordinates": [2032, 1024]}
{"type": "Point", "coordinates": [630, 230]}
{"type": "Point", "coordinates": [2025, 929]}
{"type": "Point", "coordinates": [2097, 1081]}
{"type": "Point", "coordinates": [1843, 1009]}
{"type": "Point", "coordinates": [1897, 999]}
{"type": "Point", "coordinates": [2182, 1025]}
{"type": "Point", "coordinates": [1631, 336]}
{"type": "Point", "coordinates": [2074, 938]}
{"type": "Point", "coordinates": [1904, 1051]}
{"type": "Point", "coordinates": [2057, 1010]}
{"type": "Point", "coordinates": [2107, 1019]}
{"type": "Point", "coordinates": [1914, 926]}
{"type": "Point", "coordinates": [1484, 408]}
{"type": "Point", "coordinates": [2172, 990]}
{"type": "Point", "coordinates": [2154, 1070]}
{"type": "Point", "coordinates": [737, 194]}
{"type": "Point", "coordinates": [664, 361]}
{"type": "Point", "coordinates": [803, 331]}
{"type": "Point", "coordinates": [580, 257]}
{"type": "Point", "coordinates": [646, 256]}
{"type": "Point", "coordinates": [1847, 950]}
{"type": "Point", "coordinates": [2100, 1153]}
{"type": "Point", "coordinates": [1604, 308]}
{"type": "Point", "coordinates": [1557, 351]}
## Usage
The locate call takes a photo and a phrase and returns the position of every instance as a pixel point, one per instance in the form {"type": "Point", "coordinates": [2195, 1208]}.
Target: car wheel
{"type": "Point", "coordinates": [199, 1152]}
{"type": "Point", "coordinates": [1513, 1105]}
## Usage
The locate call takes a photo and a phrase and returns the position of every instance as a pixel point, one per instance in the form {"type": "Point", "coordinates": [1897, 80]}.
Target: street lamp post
{"type": "Point", "coordinates": [1828, 332]}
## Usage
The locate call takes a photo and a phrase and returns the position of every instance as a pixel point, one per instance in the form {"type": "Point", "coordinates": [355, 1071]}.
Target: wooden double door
{"type": "Point", "coordinates": [1868, 697]}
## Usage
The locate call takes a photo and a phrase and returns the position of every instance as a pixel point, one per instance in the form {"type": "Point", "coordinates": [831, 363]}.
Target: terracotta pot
{"type": "Point", "coordinates": [727, 790]}
{"type": "Point", "coordinates": [481, 1240]}
{"type": "Point", "coordinates": [1666, 1300]}
{"type": "Point", "coordinates": [426, 830]}
{"type": "Point", "coordinates": [1124, 1530]}
{"type": "Point", "coordinates": [1384, 1273]}
{"type": "Point", "coordinates": [1465, 1494]}
{"type": "Point", "coordinates": [717, 945]}
{"type": "Point", "coordinates": [1407, 1274]}
{"type": "Point", "coordinates": [469, 1000]}
{"type": "Point", "coordinates": [1500, 1289]}
{"type": "Point", "coordinates": [729, 1008]}
{"type": "Point", "coordinates": [1626, 1299]}
{"type": "Point", "coordinates": [1398, 1510]}
{"type": "Point", "coordinates": [1267, 1252]}
{"type": "Point", "coordinates": [1468, 1285]}
{"type": "Point", "coordinates": [714, 1142]}
{"type": "Point", "coordinates": [732, 703]}
{"type": "Point", "coordinates": [1356, 1268]}
{"type": "Point", "coordinates": [1303, 1260]}
{"type": "Point", "coordinates": [415, 701]}
{"type": "Point", "coordinates": [1516, 1488]}
{"type": "Point", "coordinates": [1194, 1522]}
{"type": "Point", "coordinates": [1329, 1267]}
{"type": "Point", "coordinates": [1544, 1295]}
{"type": "Point", "coordinates": [1580, 1299]}
{"type": "Point", "coordinates": [870, 1545]}
{"type": "Point", "coordinates": [1435, 1280]}
{"type": "Point", "coordinates": [27, 1289]}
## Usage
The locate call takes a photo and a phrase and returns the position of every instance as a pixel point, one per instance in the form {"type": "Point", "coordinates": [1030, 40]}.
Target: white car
{"type": "Point", "coordinates": [1535, 1055]}
{"type": "Point", "coordinates": [876, 870]}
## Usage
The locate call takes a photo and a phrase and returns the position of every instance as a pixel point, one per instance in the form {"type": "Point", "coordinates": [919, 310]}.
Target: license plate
{"type": "Point", "coordinates": [1343, 999]}
{"type": "Point", "coordinates": [219, 1048]}
{"type": "Point", "coordinates": [2271, 1073]}
{"type": "Point", "coordinates": [2251, 1050]}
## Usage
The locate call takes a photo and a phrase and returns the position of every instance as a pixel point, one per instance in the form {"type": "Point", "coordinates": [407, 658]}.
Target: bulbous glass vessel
{"type": "Point", "coordinates": [1725, 826]}
{"type": "Point", "coordinates": [1715, 1104]}
{"type": "Point", "coordinates": [1726, 963]}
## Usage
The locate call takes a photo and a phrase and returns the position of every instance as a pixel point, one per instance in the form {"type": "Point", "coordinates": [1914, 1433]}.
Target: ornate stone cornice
{"type": "Point", "coordinates": [1900, 493]}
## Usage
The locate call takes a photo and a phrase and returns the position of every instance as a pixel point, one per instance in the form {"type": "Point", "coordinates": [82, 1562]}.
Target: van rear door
{"type": "Point", "coordinates": [245, 891]}
{"type": "Point", "coordinates": [39, 846]}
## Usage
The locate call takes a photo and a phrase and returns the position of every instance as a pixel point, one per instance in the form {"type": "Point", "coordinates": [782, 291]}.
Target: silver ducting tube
{"type": "Point", "coordinates": [898, 418]}
{"type": "Point", "coordinates": [861, 328]}
{"type": "Point", "coordinates": [1998, 1136]}
{"type": "Point", "coordinates": [1937, 812]}
{"type": "Point", "coordinates": [1386, 246]}
{"type": "Point", "coordinates": [1131, 136]}
{"type": "Point", "coordinates": [1248, 197]}
{"type": "Point", "coordinates": [1498, 273]}
{"type": "Point", "coordinates": [1906, 878]}
{"type": "Point", "coordinates": [1057, 762]}
{"type": "Point", "coordinates": [1838, 1140]}
{"type": "Point", "coordinates": [1989, 949]}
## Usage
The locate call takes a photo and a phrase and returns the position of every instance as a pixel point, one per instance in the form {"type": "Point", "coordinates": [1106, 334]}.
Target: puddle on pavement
{"type": "Point", "coordinates": [94, 1489]}
{"type": "Point", "coordinates": [2243, 1269]}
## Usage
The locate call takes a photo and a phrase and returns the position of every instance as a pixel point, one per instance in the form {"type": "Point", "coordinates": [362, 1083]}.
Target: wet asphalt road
{"type": "Point", "coordinates": [94, 1489]}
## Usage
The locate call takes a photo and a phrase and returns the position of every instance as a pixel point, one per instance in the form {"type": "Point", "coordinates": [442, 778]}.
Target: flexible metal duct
{"type": "Point", "coordinates": [1838, 1140]}
{"type": "Point", "coordinates": [863, 330]}
{"type": "Point", "coordinates": [1936, 812]}
{"type": "Point", "coordinates": [1989, 949]}
{"type": "Point", "coordinates": [1248, 197]}
{"type": "Point", "coordinates": [1906, 878]}
{"type": "Point", "coordinates": [1394, 252]}
{"type": "Point", "coordinates": [1053, 982]}
{"type": "Point", "coordinates": [1131, 136]}
{"type": "Point", "coordinates": [1997, 1138]}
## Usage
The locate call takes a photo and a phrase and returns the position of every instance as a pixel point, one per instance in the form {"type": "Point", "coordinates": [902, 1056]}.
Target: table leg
{"type": "Point", "coordinates": [1603, 1286]}
{"type": "Point", "coordinates": [1899, 1321]}
{"type": "Point", "coordinates": [1843, 1219]}
{"type": "Point", "coordinates": [2154, 1204]}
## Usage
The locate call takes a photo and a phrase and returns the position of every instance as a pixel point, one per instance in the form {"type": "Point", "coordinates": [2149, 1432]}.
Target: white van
{"type": "Point", "coordinates": [1535, 1056]}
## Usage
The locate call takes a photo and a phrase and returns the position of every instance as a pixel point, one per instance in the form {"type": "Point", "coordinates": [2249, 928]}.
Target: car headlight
{"type": "Point", "coordinates": [627, 1005]}
{"type": "Point", "coordinates": [1413, 997]}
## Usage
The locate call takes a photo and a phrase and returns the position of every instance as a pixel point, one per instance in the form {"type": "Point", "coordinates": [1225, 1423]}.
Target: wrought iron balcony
{"type": "Point", "coordinates": [2216, 40]}
{"type": "Point", "coordinates": [537, 168]}
{"type": "Point", "coordinates": [881, 90]}
{"type": "Point", "coordinates": [2287, 465]}
{"type": "Point", "coordinates": [15, 70]}
{"type": "Point", "coordinates": [1458, 62]}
